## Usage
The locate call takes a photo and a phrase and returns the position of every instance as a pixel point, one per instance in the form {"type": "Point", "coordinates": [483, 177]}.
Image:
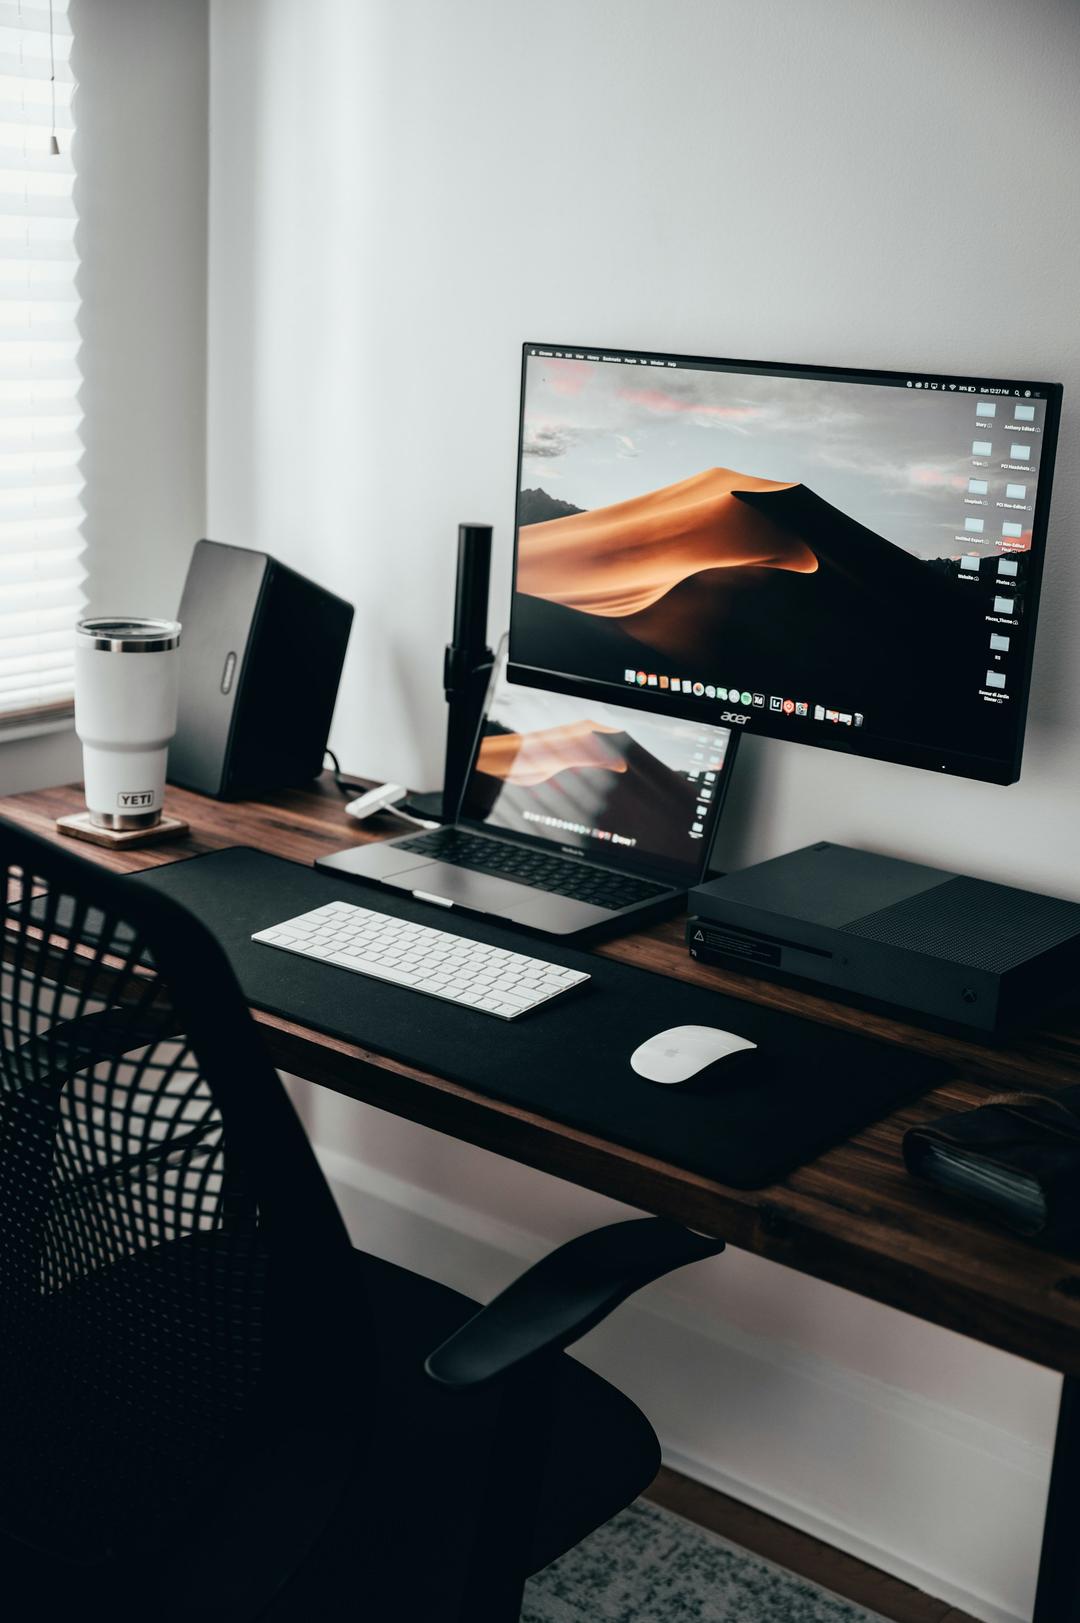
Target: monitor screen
{"type": "Point", "coordinates": [846, 559]}
{"type": "Point", "coordinates": [622, 786]}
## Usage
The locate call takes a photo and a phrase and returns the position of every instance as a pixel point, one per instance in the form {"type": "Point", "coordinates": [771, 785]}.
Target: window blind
{"type": "Point", "coordinates": [40, 483]}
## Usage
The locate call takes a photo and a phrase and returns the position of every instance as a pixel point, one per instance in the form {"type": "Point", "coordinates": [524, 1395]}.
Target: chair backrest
{"type": "Point", "coordinates": [172, 1264]}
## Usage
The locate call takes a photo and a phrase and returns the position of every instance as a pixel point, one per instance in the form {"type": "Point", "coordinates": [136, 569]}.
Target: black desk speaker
{"type": "Point", "coordinates": [261, 652]}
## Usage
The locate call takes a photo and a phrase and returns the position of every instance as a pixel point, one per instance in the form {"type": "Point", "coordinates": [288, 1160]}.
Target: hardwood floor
{"type": "Point", "coordinates": [799, 1553]}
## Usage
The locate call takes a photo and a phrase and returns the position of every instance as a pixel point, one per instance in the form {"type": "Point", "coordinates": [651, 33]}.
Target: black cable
{"type": "Point", "coordinates": [347, 789]}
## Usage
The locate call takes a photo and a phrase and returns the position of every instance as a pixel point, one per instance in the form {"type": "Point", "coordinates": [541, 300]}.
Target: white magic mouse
{"type": "Point", "coordinates": [681, 1052]}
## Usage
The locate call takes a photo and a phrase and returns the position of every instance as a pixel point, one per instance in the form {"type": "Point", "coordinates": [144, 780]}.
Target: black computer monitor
{"type": "Point", "coordinates": [849, 559]}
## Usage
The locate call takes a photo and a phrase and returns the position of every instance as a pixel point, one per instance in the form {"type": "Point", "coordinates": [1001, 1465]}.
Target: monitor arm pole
{"type": "Point", "coordinates": [467, 666]}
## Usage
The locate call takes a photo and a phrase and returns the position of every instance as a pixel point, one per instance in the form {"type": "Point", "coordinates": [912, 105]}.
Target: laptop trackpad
{"type": "Point", "coordinates": [382, 859]}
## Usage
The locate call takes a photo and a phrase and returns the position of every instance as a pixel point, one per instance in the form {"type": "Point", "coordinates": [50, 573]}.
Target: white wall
{"type": "Point", "coordinates": [141, 155]}
{"type": "Point", "coordinates": [402, 192]}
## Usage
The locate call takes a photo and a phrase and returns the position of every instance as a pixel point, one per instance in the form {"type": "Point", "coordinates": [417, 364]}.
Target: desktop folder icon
{"type": "Point", "coordinates": [1024, 414]}
{"type": "Point", "coordinates": [986, 408]}
{"type": "Point", "coordinates": [981, 447]}
{"type": "Point", "coordinates": [970, 562]}
{"type": "Point", "coordinates": [1004, 605]}
{"type": "Point", "coordinates": [1014, 530]}
{"type": "Point", "coordinates": [977, 487]}
{"type": "Point", "coordinates": [974, 526]}
{"type": "Point", "coordinates": [1020, 453]}
{"type": "Point", "coordinates": [998, 643]}
{"type": "Point", "coordinates": [1016, 493]}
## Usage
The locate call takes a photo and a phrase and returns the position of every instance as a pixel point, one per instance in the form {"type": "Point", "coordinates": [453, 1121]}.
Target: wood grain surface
{"type": "Point", "coordinates": [853, 1216]}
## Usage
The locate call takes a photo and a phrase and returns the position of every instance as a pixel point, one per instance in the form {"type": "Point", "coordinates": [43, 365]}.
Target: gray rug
{"type": "Point", "coordinates": [650, 1566]}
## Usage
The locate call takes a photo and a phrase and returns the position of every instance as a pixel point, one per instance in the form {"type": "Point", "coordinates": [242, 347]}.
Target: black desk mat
{"type": "Point", "coordinates": [570, 1060]}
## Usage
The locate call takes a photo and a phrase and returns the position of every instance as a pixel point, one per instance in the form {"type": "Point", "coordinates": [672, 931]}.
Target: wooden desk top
{"type": "Point", "coordinates": [853, 1216]}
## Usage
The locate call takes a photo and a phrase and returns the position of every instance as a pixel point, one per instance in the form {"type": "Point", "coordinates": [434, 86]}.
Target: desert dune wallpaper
{"type": "Point", "coordinates": [597, 777]}
{"type": "Point", "coordinates": [623, 558]}
{"type": "Point", "coordinates": [532, 758]}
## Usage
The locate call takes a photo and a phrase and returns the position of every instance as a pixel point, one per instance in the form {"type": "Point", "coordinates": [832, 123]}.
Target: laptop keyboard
{"type": "Point", "coordinates": [556, 875]}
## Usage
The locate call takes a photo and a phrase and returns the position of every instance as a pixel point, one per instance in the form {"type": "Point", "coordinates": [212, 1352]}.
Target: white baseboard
{"type": "Point", "coordinates": [937, 1497]}
{"type": "Point", "coordinates": [874, 1553]}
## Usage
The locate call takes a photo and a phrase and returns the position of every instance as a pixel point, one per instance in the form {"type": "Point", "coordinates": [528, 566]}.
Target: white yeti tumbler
{"type": "Point", "coordinates": [125, 714]}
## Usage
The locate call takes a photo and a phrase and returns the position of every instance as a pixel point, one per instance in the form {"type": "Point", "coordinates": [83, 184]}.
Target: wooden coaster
{"type": "Point", "coordinates": [79, 827]}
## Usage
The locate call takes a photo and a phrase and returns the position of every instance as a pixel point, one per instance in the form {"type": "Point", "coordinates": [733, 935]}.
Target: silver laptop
{"type": "Point", "coordinates": [574, 816]}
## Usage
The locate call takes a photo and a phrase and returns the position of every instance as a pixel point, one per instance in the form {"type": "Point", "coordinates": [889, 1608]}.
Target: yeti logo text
{"type": "Point", "coordinates": [142, 798]}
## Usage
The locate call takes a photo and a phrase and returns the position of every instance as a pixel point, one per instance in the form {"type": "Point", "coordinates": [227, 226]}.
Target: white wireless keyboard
{"type": "Point", "coordinates": [490, 979]}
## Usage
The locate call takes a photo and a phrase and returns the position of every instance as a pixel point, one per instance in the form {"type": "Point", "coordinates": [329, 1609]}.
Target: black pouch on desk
{"type": "Point", "coordinates": [1016, 1159]}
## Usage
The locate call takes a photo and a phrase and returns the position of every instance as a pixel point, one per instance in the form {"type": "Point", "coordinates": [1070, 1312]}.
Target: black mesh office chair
{"type": "Point", "coordinates": [211, 1405]}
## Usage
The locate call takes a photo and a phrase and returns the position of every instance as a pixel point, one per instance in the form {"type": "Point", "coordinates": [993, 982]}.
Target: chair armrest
{"type": "Point", "coordinates": [565, 1294]}
{"type": "Point", "coordinates": [71, 1046]}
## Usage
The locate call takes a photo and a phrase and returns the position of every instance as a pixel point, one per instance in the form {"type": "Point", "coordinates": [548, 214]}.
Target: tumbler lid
{"type": "Point", "coordinates": [125, 634]}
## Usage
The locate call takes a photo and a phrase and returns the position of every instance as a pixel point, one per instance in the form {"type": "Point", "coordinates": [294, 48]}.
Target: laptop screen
{"type": "Point", "coordinates": [624, 787]}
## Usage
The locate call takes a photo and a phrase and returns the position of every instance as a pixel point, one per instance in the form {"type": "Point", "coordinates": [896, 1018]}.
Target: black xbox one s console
{"type": "Point", "coordinates": [922, 943]}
